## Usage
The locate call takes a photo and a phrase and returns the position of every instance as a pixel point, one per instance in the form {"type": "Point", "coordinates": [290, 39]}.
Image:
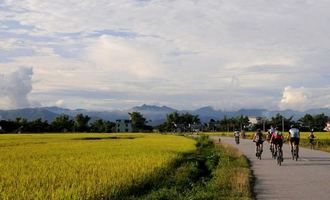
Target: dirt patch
{"type": "Point", "coordinates": [109, 138]}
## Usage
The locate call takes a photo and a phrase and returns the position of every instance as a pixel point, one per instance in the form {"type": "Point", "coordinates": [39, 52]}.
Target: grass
{"type": "Point", "coordinates": [322, 140]}
{"type": "Point", "coordinates": [212, 172]}
{"type": "Point", "coordinates": [85, 166]}
{"type": "Point", "coordinates": [232, 179]}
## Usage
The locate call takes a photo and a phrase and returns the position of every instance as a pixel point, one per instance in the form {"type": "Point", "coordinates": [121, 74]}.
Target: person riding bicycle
{"type": "Point", "coordinates": [278, 139]}
{"type": "Point", "coordinates": [271, 131]}
{"type": "Point", "coordinates": [294, 136]}
{"type": "Point", "coordinates": [268, 136]}
{"type": "Point", "coordinates": [311, 138]}
{"type": "Point", "coordinates": [259, 140]}
{"type": "Point", "coordinates": [236, 135]}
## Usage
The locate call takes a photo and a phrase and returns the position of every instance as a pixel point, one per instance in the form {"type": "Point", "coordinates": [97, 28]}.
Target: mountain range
{"type": "Point", "coordinates": [154, 114]}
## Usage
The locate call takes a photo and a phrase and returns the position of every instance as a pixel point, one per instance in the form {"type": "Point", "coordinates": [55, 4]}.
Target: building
{"type": "Point", "coordinates": [327, 127]}
{"type": "Point", "coordinates": [196, 127]}
{"type": "Point", "coordinates": [180, 128]}
{"type": "Point", "coordinates": [255, 120]}
{"type": "Point", "coordinates": [124, 126]}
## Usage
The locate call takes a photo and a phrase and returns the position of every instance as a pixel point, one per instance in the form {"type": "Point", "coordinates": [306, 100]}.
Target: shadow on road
{"type": "Point", "coordinates": [312, 159]}
{"type": "Point", "coordinates": [299, 163]}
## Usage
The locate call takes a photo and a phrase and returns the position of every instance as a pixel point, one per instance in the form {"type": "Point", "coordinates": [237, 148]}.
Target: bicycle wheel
{"type": "Point", "coordinates": [296, 154]}
{"type": "Point", "coordinates": [293, 153]}
{"type": "Point", "coordinates": [278, 161]}
{"type": "Point", "coordinates": [275, 153]}
{"type": "Point", "coordinates": [279, 158]}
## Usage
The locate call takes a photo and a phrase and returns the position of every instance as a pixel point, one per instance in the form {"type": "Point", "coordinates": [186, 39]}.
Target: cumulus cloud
{"type": "Point", "coordinates": [16, 86]}
{"type": "Point", "coordinates": [294, 98]}
{"type": "Point", "coordinates": [123, 57]}
{"type": "Point", "coordinates": [304, 98]}
{"type": "Point", "coordinates": [59, 103]}
{"type": "Point", "coordinates": [191, 49]}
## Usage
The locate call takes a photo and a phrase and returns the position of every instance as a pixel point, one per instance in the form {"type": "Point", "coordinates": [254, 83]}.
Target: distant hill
{"type": "Point", "coordinates": [154, 114]}
{"type": "Point", "coordinates": [28, 113]}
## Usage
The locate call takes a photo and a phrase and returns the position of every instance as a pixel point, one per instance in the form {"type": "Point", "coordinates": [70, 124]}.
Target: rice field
{"type": "Point", "coordinates": [83, 166]}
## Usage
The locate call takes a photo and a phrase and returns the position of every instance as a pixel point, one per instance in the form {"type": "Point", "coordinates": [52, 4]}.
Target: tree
{"type": "Point", "coordinates": [38, 126]}
{"type": "Point", "coordinates": [62, 123]}
{"type": "Point", "coordinates": [319, 122]}
{"type": "Point", "coordinates": [182, 121]}
{"type": "Point", "coordinates": [139, 123]}
{"type": "Point", "coordinates": [23, 125]}
{"type": "Point", "coordinates": [81, 123]}
{"type": "Point", "coordinates": [212, 125]}
{"type": "Point", "coordinates": [306, 122]}
{"type": "Point", "coordinates": [98, 126]}
{"type": "Point", "coordinates": [102, 126]}
{"type": "Point", "coordinates": [171, 120]}
{"type": "Point", "coordinates": [277, 122]}
{"type": "Point", "coordinates": [242, 121]}
{"type": "Point", "coordinates": [109, 126]}
{"type": "Point", "coordinates": [224, 124]}
{"type": "Point", "coordinates": [9, 126]}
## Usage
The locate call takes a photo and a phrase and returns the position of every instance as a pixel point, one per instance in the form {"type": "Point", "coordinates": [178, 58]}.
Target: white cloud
{"type": "Point", "coordinates": [16, 86]}
{"type": "Point", "coordinates": [294, 98]}
{"type": "Point", "coordinates": [59, 103]}
{"type": "Point", "coordinates": [304, 98]}
{"type": "Point", "coordinates": [173, 49]}
{"type": "Point", "coordinates": [124, 58]}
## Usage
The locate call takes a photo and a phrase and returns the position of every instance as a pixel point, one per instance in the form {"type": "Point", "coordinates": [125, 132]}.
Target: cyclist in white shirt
{"type": "Point", "coordinates": [294, 135]}
{"type": "Point", "coordinates": [237, 135]}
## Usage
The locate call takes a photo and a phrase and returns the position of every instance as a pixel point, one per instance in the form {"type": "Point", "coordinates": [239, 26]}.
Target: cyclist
{"type": "Point", "coordinates": [294, 136]}
{"type": "Point", "coordinates": [259, 140]}
{"type": "Point", "coordinates": [271, 131]}
{"type": "Point", "coordinates": [236, 135]}
{"type": "Point", "coordinates": [278, 139]}
{"type": "Point", "coordinates": [311, 138]}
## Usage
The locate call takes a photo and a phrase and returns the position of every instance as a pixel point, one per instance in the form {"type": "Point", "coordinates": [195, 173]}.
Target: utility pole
{"type": "Point", "coordinates": [283, 124]}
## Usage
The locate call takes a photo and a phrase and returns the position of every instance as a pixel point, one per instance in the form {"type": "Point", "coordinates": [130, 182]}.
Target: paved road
{"type": "Point", "coordinates": [307, 178]}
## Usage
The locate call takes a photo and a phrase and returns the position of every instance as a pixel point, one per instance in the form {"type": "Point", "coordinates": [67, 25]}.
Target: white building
{"type": "Point", "coordinates": [124, 126]}
{"type": "Point", "coordinates": [255, 120]}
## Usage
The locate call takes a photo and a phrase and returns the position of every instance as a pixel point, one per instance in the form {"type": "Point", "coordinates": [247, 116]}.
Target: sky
{"type": "Point", "coordinates": [186, 54]}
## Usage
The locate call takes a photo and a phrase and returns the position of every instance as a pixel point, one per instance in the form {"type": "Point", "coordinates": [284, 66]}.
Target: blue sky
{"type": "Point", "coordinates": [104, 55]}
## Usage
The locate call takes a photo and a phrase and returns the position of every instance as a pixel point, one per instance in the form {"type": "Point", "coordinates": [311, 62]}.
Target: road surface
{"type": "Point", "coordinates": [307, 178]}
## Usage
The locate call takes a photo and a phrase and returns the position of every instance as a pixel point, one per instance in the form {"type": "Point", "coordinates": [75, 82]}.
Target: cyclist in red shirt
{"type": "Point", "coordinates": [278, 139]}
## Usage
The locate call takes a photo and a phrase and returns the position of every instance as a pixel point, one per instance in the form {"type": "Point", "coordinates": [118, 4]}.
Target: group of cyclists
{"type": "Point", "coordinates": [276, 139]}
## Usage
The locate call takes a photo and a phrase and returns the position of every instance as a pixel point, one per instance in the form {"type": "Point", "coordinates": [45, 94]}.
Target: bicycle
{"type": "Point", "coordinates": [237, 140]}
{"type": "Point", "coordinates": [259, 152]}
{"type": "Point", "coordinates": [279, 156]}
{"type": "Point", "coordinates": [294, 152]}
{"type": "Point", "coordinates": [273, 151]}
{"type": "Point", "coordinates": [312, 143]}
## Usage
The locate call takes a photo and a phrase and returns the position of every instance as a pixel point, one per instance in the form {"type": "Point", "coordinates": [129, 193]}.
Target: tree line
{"type": "Point", "coordinates": [174, 122]}
{"type": "Point", "coordinates": [185, 121]}
{"type": "Point", "coordinates": [305, 123]}
{"type": "Point", "coordinates": [64, 123]}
